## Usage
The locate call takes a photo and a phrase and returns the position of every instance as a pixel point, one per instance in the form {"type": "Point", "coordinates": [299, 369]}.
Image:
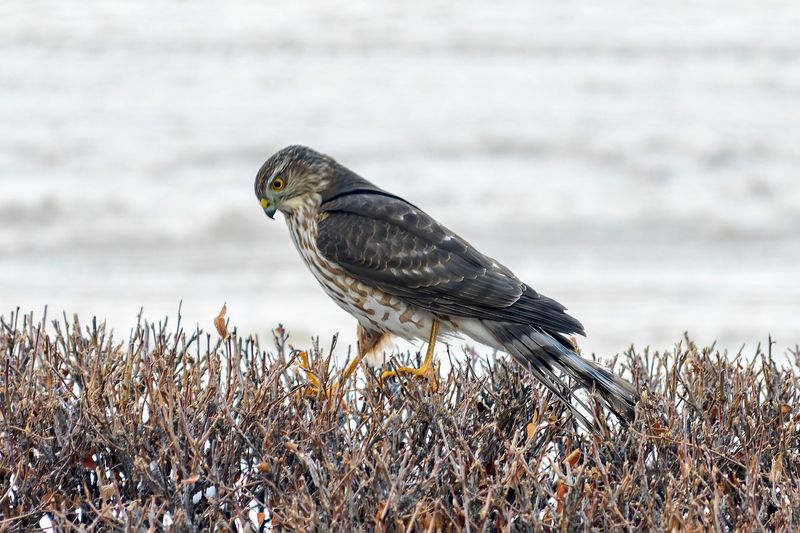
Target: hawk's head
{"type": "Point", "coordinates": [290, 177]}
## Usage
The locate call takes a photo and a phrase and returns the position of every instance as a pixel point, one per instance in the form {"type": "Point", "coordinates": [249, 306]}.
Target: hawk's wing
{"type": "Point", "coordinates": [394, 246]}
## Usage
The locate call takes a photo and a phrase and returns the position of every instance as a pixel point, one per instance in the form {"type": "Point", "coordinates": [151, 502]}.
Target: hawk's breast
{"type": "Point", "coordinates": [374, 309]}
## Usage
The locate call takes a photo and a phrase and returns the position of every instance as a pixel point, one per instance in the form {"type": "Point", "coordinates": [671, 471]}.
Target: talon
{"type": "Point", "coordinates": [313, 388]}
{"type": "Point", "coordinates": [427, 370]}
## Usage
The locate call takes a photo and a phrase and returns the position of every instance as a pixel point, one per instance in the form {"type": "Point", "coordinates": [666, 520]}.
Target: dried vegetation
{"type": "Point", "coordinates": [206, 431]}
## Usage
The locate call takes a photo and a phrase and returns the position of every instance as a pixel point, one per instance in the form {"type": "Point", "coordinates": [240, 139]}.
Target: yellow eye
{"type": "Point", "coordinates": [278, 184]}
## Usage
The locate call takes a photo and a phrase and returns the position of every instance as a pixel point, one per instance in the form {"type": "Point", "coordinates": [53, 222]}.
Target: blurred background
{"type": "Point", "coordinates": [637, 161]}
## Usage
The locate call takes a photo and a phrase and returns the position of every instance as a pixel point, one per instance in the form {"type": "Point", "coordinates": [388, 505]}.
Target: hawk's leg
{"type": "Point", "coordinates": [367, 341]}
{"type": "Point", "coordinates": [314, 386]}
{"type": "Point", "coordinates": [427, 370]}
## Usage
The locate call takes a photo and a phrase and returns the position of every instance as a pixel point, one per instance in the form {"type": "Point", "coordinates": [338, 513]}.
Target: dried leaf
{"type": "Point", "coordinates": [659, 430]}
{"type": "Point", "coordinates": [776, 470]}
{"type": "Point", "coordinates": [107, 492]}
{"type": "Point", "coordinates": [191, 480]}
{"type": "Point", "coordinates": [88, 461]}
{"type": "Point", "coordinates": [50, 499]}
{"type": "Point", "coordinates": [561, 493]}
{"type": "Point", "coordinates": [219, 322]}
{"type": "Point", "coordinates": [572, 458]}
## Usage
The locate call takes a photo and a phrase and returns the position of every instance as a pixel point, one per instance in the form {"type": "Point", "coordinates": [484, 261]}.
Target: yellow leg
{"type": "Point", "coordinates": [427, 370]}
{"type": "Point", "coordinates": [314, 386]}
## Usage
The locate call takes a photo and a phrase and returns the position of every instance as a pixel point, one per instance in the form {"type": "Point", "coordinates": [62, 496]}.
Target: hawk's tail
{"type": "Point", "coordinates": [541, 352]}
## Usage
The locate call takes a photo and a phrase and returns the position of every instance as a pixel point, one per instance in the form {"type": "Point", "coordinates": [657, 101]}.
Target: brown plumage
{"type": "Point", "coordinates": [397, 271]}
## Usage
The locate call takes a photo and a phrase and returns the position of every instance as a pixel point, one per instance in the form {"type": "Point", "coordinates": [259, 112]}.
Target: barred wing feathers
{"type": "Point", "coordinates": [392, 245]}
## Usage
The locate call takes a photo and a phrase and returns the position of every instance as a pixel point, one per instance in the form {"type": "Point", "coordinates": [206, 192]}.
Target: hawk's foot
{"type": "Point", "coordinates": [313, 388]}
{"type": "Point", "coordinates": [427, 370]}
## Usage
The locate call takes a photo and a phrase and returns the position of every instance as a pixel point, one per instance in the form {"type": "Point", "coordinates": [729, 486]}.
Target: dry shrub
{"type": "Point", "coordinates": [209, 432]}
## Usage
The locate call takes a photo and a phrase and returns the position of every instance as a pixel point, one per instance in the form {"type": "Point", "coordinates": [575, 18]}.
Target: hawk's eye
{"type": "Point", "coordinates": [278, 184]}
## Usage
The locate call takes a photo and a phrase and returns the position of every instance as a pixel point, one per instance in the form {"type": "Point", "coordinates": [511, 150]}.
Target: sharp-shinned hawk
{"type": "Point", "coordinates": [399, 272]}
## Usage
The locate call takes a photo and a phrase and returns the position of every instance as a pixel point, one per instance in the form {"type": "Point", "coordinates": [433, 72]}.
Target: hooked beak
{"type": "Point", "coordinates": [269, 208]}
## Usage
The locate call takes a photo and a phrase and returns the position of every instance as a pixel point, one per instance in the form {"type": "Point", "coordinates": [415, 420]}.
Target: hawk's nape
{"type": "Point", "coordinates": [384, 241]}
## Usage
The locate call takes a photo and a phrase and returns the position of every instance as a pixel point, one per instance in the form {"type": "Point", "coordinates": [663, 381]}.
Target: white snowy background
{"type": "Point", "coordinates": [637, 161]}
